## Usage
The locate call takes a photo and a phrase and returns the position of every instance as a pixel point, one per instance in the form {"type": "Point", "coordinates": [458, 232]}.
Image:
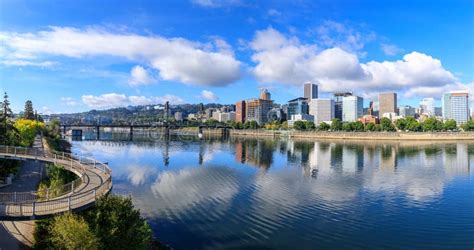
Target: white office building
{"type": "Point", "coordinates": [456, 106]}
{"type": "Point", "coordinates": [352, 108]}
{"type": "Point", "coordinates": [322, 110]}
{"type": "Point", "coordinates": [427, 106]}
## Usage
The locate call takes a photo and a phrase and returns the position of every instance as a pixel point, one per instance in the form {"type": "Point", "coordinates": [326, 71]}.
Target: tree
{"type": "Point", "coordinates": [299, 125]}
{"type": "Point", "coordinates": [370, 127]}
{"type": "Point", "coordinates": [347, 126]}
{"type": "Point", "coordinates": [450, 125]}
{"type": "Point", "coordinates": [309, 125]}
{"type": "Point", "coordinates": [27, 130]}
{"type": "Point", "coordinates": [7, 131]}
{"type": "Point", "coordinates": [386, 124]}
{"type": "Point", "coordinates": [413, 124]}
{"type": "Point", "coordinates": [468, 126]}
{"type": "Point", "coordinates": [336, 124]}
{"type": "Point", "coordinates": [69, 231]}
{"type": "Point", "coordinates": [29, 112]}
{"type": "Point", "coordinates": [324, 126]}
{"type": "Point", "coordinates": [401, 124]}
{"type": "Point", "coordinates": [118, 225]}
{"type": "Point", "coordinates": [251, 125]}
{"type": "Point", "coordinates": [358, 126]}
{"type": "Point", "coordinates": [432, 124]}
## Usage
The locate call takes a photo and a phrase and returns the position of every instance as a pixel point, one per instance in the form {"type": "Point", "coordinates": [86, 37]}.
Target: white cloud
{"type": "Point", "coordinates": [216, 3]}
{"type": "Point", "coordinates": [286, 60]}
{"type": "Point", "coordinates": [112, 100]}
{"type": "Point", "coordinates": [69, 101]}
{"type": "Point", "coordinates": [140, 76]}
{"type": "Point", "coordinates": [27, 63]}
{"type": "Point", "coordinates": [175, 59]}
{"type": "Point", "coordinates": [390, 49]}
{"type": "Point", "coordinates": [209, 95]}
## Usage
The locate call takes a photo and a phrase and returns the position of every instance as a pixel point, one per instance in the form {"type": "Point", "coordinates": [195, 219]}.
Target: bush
{"type": "Point", "coordinates": [69, 231]}
{"type": "Point", "coordinates": [450, 125]}
{"type": "Point", "coordinates": [299, 125]}
{"type": "Point", "coordinates": [386, 124]}
{"type": "Point", "coordinates": [57, 178]}
{"type": "Point", "coordinates": [336, 124]}
{"type": "Point", "coordinates": [468, 126]}
{"type": "Point", "coordinates": [358, 126]}
{"type": "Point", "coordinates": [370, 127]}
{"type": "Point", "coordinates": [118, 225]}
{"type": "Point", "coordinates": [324, 126]}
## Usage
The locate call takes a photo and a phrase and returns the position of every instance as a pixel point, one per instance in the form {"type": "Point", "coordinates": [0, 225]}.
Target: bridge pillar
{"type": "Point", "coordinates": [97, 128]}
{"type": "Point", "coordinates": [131, 133]}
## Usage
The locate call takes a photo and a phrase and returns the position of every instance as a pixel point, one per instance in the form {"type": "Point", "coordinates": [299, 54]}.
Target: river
{"type": "Point", "coordinates": [284, 194]}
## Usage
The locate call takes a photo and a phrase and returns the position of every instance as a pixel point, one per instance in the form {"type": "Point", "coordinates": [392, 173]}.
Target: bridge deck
{"type": "Point", "coordinates": [95, 181]}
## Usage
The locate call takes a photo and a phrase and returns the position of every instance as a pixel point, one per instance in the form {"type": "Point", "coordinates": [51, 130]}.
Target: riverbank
{"type": "Point", "coordinates": [405, 136]}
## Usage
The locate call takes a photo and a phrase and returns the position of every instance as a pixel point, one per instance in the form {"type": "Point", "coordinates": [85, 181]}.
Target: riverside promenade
{"type": "Point", "coordinates": [401, 136]}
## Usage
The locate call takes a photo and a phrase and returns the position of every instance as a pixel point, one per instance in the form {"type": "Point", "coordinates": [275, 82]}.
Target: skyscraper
{"type": "Point", "coordinates": [240, 111]}
{"type": "Point", "coordinates": [352, 108]}
{"type": "Point", "coordinates": [265, 95]}
{"type": "Point", "coordinates": [310, 91]}
{"type": "Point", "coordinates": [427, 106]}
{"type": "Point", "coordinates": [387, 103]}
{"type": "Point", "coordinates": [322, 110]}
{"type": "Point", "coordinates": [456, 106]}
{"type": "Point", "coordinates": [257, 109]}
{"type": "Point", "coordinates": [338, 104]}
{"type": "Point", "coordinates": [298, 106]}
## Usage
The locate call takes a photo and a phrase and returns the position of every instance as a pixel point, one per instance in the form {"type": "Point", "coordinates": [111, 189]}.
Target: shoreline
{"type": "Point", "coordinates": [373, 136]}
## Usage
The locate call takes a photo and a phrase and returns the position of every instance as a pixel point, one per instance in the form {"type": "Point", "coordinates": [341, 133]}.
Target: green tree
{"type": "Point", "coordinates": [29, 112]}
{"type": "Point", "coordinates": [69, 231]}
{"type": "Point", "coordinates": [450, 125]}
{"type": "Point", "coordinates": [347, 126]}
{"type": "Point", "coordinates": [309, 125]}
{"type": "Point", "coordinates": [358, 126]}
{"type": "Point", "coordinates": [324, 126]}
{"type": "Point", "coordinates": [8, 134]}
{"type": "Point", "coordinates": [250, 125]}
{"type": "Point", "coordinates": [412, 124]}
{"type": "Point", "coordinates": [299, 125]}
{"type": "Point", "coordinates": [118, 225]}
{"type": "Point", "coordinates": [386, 124]}
{"type": "Point", "coordinates": [336, 124]}
{"type": "Point", "coordinates": [401, 124]}
{"type": "Point", "coordinates": [468, 126]}
{"type": "Point", "coordinates": [432, 124]}
{"type": "Point", "coordinates": [370, 127]}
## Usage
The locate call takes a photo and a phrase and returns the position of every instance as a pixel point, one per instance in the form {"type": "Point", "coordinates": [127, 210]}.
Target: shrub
{"type": "Point", "coordinates": [69, 231]}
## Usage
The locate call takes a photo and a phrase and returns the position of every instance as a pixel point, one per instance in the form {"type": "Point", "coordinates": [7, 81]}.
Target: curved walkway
{"type": "Point", "coordinates": [94, 181]}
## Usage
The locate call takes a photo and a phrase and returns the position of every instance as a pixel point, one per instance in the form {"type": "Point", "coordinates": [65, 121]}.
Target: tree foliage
{"type": "Point", "coordinates": [468, 126]}
{"type": "Point", "coordinates": [324, 126]}
{"type": "Point", "coordinates": [27, 130]}
{"type": "Point", "coordinates": [118, 225]}
{"type": "Point", "coordinates": [69, 231]}
{"type": "Point", "coordinates": [29, 112]}
{"type": "Point", "coordinates": [386, 124]}
{"type": "Point", "coordinates": [336, 124]}
{"type": "Point", "coordinates": [450, 125]}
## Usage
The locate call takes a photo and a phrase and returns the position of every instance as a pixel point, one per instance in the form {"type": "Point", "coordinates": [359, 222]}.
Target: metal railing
{"type": "Point", "coordinates": [72, 195]}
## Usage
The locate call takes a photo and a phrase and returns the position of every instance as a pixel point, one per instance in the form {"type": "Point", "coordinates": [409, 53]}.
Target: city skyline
{"type": "Point", "coordinates": [66, 60]}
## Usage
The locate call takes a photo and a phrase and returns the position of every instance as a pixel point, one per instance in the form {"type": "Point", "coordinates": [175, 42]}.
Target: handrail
{"type": "Point", "coordinates": [77, 164]}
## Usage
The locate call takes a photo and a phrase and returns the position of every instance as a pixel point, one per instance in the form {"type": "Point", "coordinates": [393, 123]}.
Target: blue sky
{"type": "Point", "coordinates": [69, 56]}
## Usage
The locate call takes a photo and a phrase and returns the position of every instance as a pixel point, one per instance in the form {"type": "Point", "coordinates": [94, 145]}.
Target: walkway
{"type": "Point", "coordinates": [94, 181]}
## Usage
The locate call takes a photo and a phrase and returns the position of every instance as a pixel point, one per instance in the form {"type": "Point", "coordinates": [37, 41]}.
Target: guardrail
{"type": "Point", "coordinates": [75, 194]}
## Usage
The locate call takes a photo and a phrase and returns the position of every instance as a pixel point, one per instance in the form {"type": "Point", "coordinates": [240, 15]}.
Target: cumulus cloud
{"type": "Point", "coordinates": [112, 100]}
{"type": "Point", "coordinates": [69, 101]}
{"type": "Point", "coordinates": [140, 76]}
{"type": "Point", "coordinates": [209, 95]}
{"type": "Point", "coordinates": [175, 59]}
{"type": "Point", "coordinates": [286, 60]}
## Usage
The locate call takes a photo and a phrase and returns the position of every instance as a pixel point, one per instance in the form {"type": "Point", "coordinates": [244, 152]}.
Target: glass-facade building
{"type": "Point", "coordinates": [298, 106]}
{"type": "Point", "coordinates": [352, 108]}
{"type": "Point", "coordinates": [456, 106]}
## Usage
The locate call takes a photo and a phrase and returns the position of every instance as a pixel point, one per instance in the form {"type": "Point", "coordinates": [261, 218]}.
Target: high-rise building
{"type": "Point", "coordinates": [352, 108]}
{"type": "Point", "coordinates": [178, 116]}
{"type": "Point", "coordinates": [456, 106]}
{"type": "Point", "coordinates": [387, 103]}
{"type": "Point", "coordinates": [338, 104]}
{"type": "Point", "coordinates": [310, 91]}
{"type": "Point", "coordinates": [427, 106]}
{"type": "Point", "coordinates": [407, 110]}
{"type": "Point", "coordinates": [240, 111]}
{"type": "Point", "coordinates": [322, 110]}
{"type": "Point", "coordinates": [298, 106]}
{"type": "Point", "coordinates": [257, 110]}
{"type": "Point", "coordinates": [265, 95]}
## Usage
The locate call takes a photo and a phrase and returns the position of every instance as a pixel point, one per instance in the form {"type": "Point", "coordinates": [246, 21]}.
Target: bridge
{"type": "Point", "coordinates": [132, 127]}
{"type": "Point", "coordinates": [94, 180]}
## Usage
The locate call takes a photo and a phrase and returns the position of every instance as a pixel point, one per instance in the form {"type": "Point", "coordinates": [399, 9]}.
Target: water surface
{"type": "Point", "coordinates": [257, 193]}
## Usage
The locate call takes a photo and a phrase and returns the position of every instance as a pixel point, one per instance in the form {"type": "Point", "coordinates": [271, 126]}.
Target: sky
{"type": "Point", "coordinates": [71, 56]}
